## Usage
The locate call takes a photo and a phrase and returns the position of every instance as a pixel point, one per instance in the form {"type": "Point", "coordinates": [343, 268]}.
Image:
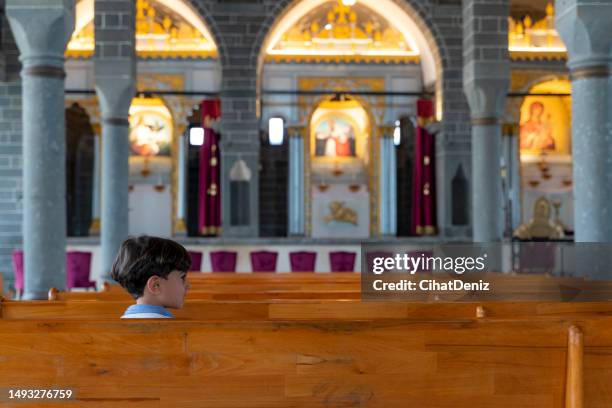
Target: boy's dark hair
{"type": "Point", "coordinates": [139, 258]}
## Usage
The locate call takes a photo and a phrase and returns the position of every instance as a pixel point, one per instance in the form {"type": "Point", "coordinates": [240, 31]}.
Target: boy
{"type": "Point", "coordinates": [154, 271]}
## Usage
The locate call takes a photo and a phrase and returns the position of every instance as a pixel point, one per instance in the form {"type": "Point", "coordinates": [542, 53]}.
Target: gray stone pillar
{"type": "Point", "coordinates": [585, 29]}
{"type": "Point", "coordinates": [511, 174]}
{"type": "Point", "coordinates": [486, 77]}
{"type": "Point", "coordinates": [296, 186]}
{"type": "Point", "coordinates": [239, 149]}
{"type": "Point", "coordinates": [388, 184]}
{"type": "Point", "coordinates": [115, 73]}
{"type": "Point", "coordinates": [42, 29]}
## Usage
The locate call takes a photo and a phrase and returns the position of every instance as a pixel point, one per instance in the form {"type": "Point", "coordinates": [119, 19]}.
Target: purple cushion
{"type": "Point", "coordinates": [18, 268]}
{"type": "Point", "coordinates": [78, 269]}
{"type": "Point", "coordinates": [341, 261]}
{"type": "Point", "coordinates": [303, 261]}
{"type": "Point", "coordinates": [263, 261]}
{"type": "Point", "coordinates": [223, 261]}
{"type": "Point", "coordinates": [196, 261]}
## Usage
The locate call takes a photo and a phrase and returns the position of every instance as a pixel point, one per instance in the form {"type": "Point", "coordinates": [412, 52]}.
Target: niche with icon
{"type": "Point", "coordinates": [545, 151]}
{"type": "Point", "coordinates": [150, 142]}
{"type": "Point", "coordinates": [340, 137]}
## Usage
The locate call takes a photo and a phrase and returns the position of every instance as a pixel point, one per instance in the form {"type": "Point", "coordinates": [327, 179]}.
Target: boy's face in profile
{"type": "Point", "coordinates": [172, 290]}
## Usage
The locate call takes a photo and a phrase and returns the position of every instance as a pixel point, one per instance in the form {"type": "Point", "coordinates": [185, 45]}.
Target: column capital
{"type": "Point", "coordinates": [296, 130]}
{"type": "Point", "coordinates": [115, 87]}
{"type": "Point", "coordinates": [584, 27]}
{"type": "Point", "coordinates": [41, 29]}
{"type": "Point", "coordinates": [486, 87]}
{"type": "Point", "coordinates": [386, 130]}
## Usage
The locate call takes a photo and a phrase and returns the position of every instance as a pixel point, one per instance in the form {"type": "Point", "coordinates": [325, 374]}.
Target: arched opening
{"type": "Point", "coordinates": [178, 59]}
{"type": "Point", "coordinates": [389, 31]}
{"type": "Point", "coordinates": [376, 54]}
{"type": "Point", "coordinates": [152, 143]}
{"type": "Point", "coordinates": [164, 29]}
{"type": "Point", "coordinates": [80, 152]}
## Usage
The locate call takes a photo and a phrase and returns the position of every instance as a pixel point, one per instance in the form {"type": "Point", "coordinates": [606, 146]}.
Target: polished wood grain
{"type": "Point", "coordinates": [383, 363]}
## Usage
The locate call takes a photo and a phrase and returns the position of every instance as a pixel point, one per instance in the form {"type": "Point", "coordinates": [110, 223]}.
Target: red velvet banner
{"type": "Point", "coordinates": [423, 182]}
{"type": "Point", "coordinates": [210, 171]}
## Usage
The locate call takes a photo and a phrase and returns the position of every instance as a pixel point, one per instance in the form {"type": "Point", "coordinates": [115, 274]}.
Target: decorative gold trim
{"type": "Point", "coordinates": [180, 226]}
{"type": "Point", "coordinates": [510, 129]}
{"type": "Point", "coordinates": [160, 33]}
{"type": "Point", "coordinates": [212, 230]}
{"type": "Point", "coordinates": [386, 131]}
{"type": "Point", "coordinates": [147, 54]}
{"type": "Point", "coordinates": [295, 131]}
{"type": "Point", "coordinates": [426, 230]}
{"type": "Point", "coordinates": [423, 121]}
{"type": "Point", "coordinates": [337, 59]}
{"type": "Point", "coordinates": [538, 55]}
{"type": "Point", "coordinates": [485, 121]}
{"type": "Point", "coordinates": [596, 71]}
{"type": "Point", "coordinates": [94, 228]}
{"type": "Point", "coordinates": [532, 39]}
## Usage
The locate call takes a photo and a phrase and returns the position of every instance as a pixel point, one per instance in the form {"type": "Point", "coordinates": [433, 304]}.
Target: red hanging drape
{"type": "Point", "coordinates": [423, 180]}
{"type": "Point", "coordinates": [210, 171]}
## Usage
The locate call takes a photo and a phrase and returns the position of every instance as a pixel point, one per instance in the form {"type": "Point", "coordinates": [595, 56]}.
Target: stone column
{"type": "Point", "coordinates": [94, 229]}
{"type": "Point", "coordinates": [41, 29]}
{"type": "Point", "coordinates": [115, 73]}
{"type": "Point", "coordinates": [511, 174]}
{"type": "Point", "coordinates": [585, 29]}
{"type": "Point", "coordinates": [296, 182]}
{"type": "Point", "coordinates": [388, 183]}
{"type": "Point", "coordinates": [239, 148]}
{"type": "Point", "coordinates": [486, 77]}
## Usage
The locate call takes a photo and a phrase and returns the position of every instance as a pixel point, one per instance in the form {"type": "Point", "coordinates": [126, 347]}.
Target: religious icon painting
{"type": "Point", "coordinates": [335, 137]}
{"type": "Point", "coordinates": [150, 129]}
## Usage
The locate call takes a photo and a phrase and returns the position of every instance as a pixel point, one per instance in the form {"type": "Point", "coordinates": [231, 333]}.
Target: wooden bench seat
{"type": "Point", "coordinates": [349, 363]}
{"type": "Point", "coordinates": [290, 310]}
{"type": "Point", "coordinates": [343, 286]}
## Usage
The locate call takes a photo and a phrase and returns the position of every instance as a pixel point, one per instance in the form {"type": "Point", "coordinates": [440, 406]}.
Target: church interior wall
{"type": "Point", "coordinates": [285, 77]}
{"type": "Point", "coordinates": [240, 34]}
{"type": "Point", "coordinates": [197, 75]}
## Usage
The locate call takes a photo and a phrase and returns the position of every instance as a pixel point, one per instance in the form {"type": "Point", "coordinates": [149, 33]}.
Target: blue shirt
{"type": "Point", "coordinates": [146, 312]}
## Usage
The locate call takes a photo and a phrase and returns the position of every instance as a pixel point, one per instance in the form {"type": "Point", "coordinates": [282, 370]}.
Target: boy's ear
{"type": "Point", "coordinates": [153, 285]}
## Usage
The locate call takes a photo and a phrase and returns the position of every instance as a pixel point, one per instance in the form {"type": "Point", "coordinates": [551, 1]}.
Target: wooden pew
{"type": "Point", "coordinates": [349, 363]}
{"type": "Point", "coordinates": [348, 286]}
{"type": "Point", "coordinates": [339, 310]}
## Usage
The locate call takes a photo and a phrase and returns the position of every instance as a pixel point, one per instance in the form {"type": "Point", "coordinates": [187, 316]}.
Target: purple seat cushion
{"type": "Point", "coordinates": [223, 261]}
{"type": "Point", "coordinates": [18, 268]}
{"type": "Point", "coordinates": [341, 261]}
{"type": "Point", "coordinates": [264, 261]}
{"type": "Point", "coordinates": [78, 269]}
{"type": "Point", "coordinates": [303, 261]}
{"type": "Point", "coordinates": [196, 261]}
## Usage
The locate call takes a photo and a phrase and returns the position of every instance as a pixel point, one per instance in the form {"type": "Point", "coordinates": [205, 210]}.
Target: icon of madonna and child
{"type": "Point", "coordinates": [335, 137]}
{"type": "Point", "coordinates": [537, 130]}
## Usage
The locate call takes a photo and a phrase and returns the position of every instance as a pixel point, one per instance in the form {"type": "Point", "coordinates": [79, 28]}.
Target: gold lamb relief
{"type": "Point", "coordinates": [341, 213]}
